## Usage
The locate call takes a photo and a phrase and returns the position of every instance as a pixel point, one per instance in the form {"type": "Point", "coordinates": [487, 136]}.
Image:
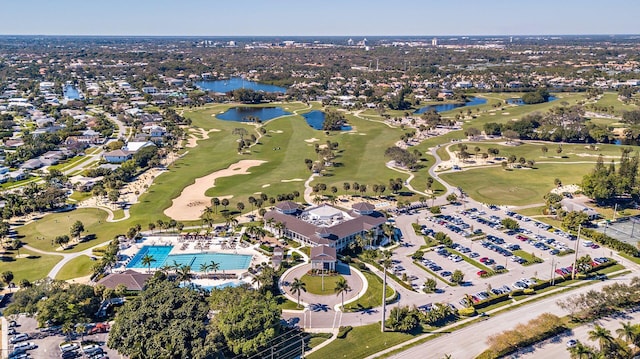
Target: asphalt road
{"type": "Point", "coordinates": [470, 341]}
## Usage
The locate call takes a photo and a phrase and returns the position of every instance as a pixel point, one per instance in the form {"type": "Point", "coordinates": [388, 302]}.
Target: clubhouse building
{"type": "Point", "coordinates": [324, 224]}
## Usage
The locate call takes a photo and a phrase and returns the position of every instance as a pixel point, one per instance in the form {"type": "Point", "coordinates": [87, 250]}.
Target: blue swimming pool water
{"type": "Point", "coordinates": [159, 253]}
{"type": "Point", "coordinates": [162, 257]}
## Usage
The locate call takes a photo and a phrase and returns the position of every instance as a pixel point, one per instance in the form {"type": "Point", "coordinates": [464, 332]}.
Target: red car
{"type": "Point", "coordinates": [595, 246]}
{"type": "Point", "coordinates": [482, 272]}
{"type": "Point", "coordinates": [483, 259]}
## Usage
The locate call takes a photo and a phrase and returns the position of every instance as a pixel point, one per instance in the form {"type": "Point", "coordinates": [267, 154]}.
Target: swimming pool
{"type": "Point", "coordinates": [159, 253]}
{"type": "Point", "coordinates": [162, 257]}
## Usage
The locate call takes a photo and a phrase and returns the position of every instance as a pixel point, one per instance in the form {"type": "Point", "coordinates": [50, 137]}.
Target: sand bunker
{"type": "Point", "coordinates": [292, 180]}
{"type": "Point", "coordinates": [276, 131]}
{"type": "Point", "coordinates": [192, 201]}
{"type": "Point", "coordinates": [311, 140]}
{"type": "Point", "coordinates": [193, 139]}
{"type": "Point", "coordinates": [266, 185]}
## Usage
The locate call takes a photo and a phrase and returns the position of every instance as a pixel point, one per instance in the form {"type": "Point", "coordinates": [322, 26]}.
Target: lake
{"type": "Point", "coordinates": [243, 113]}
{"type": "Point", "coordinates": [315, 119]}
{"type": "Point", "coordinates": [235, 83]}
{"type": "Point", "coordinates": [518, 101]}
{"type": "Point", "coordinates": [473, 101]}
{"type": "Point", "coordinates": [70, 92]}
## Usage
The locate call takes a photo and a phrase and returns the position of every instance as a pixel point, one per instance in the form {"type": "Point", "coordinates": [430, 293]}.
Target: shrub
{"type": "Point", "coordinates": [343, 331]}
{"type": "Point", "coordinates": [467, 312]}
{"type": "Point", "coordinates": [491, 301]}
{"type": "Point", "coordinates": [610, 242]}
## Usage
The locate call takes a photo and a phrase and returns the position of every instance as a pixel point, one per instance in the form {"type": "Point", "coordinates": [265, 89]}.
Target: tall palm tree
{"type": "Point", "coordinates": [386, 264]}
{"type": "Point", "coordinates": [204, 267]}
{"type": "Point", "coordinates": [298, 286]}
{"type": "Point", "coordinates": [602, 336]}
{"type": "Point", "coordinates": [389, 231]}
{"type": "Point", "coordinates": [342, 287]}
{"type": "Point", "coordinates": [147, 260]}
{"type": "Point", "coordinates": [629, 333]}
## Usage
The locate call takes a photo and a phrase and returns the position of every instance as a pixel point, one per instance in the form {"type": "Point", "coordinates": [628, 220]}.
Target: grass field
{"type": "Point", "coordinates": [517, 187]}
{"type": "Point", "coordinates": [373, 296]}
{"type": "Point", "coordinates": [36, 266]}
{"type": "Point", "coordinates": [314, 284]}
{"type": "Point", "coordinates": [77, 267]}
{"type": "Point", "coordinates": [360, 343]}
{"type": "Point", "coordinates": [610, 100]}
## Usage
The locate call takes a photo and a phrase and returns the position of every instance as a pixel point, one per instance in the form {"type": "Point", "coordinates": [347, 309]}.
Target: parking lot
{"type": "Point", "coordinates": [482, 246]}
{"type": "Point", "coordinates": [48, 342]}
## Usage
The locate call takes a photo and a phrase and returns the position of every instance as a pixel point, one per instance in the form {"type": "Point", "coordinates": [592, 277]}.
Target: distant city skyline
{"type": "Point", "coordinates": [321, 18]}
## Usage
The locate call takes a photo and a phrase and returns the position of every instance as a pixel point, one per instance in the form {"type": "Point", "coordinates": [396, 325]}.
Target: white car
{"type": "Point", "coordinates": [68, 347]}
{"type": "Point", "coordinates": [19, 338]}
{"type": "Point", "coordinates": [25, 346]}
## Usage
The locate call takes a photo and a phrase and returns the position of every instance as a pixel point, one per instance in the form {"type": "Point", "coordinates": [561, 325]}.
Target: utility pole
{"type": "Point", "coordinates": [384, 295]}
{"type": "Point", "coordinates": [575, 259]}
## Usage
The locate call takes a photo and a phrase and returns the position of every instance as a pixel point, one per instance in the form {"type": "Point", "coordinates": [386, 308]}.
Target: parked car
{"type": "Point", "coordinates": [481, 273]}
{"type": "Point", "coordinates": [19, 338]}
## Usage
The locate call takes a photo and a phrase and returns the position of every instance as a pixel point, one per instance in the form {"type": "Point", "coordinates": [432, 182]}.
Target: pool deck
{"type": "Point", "coordinates": [197, 245]}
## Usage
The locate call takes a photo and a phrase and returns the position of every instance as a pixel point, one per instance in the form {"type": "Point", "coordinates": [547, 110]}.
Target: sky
{"type": "Point", "coordinates": [318, 18]}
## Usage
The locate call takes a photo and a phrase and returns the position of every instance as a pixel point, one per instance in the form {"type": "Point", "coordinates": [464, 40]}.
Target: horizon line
{"type": "Point", "coordinates": [322, 36]}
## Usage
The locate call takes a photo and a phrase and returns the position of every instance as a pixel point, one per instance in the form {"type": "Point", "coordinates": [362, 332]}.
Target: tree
{"type": "Point", "coordinates": [544, 150]}
{"type": "Point", "coordinates": [386, 264]}
{"type": "Point", "coordinates": [452, 198]}
{"type": "Point", "coordinates": [510, 223]}
{"type": "Point", "coordinates": [61, 240]}
{"type": "Point", "coordinates": [152, 226]}
{"type": "Point", "coordinates": [225, 203]}
{"type": "Point", "coordinates": [602, 336]}
{"type": "Point", "coordinates": [240, 206]}
{"type": "Point", "coordinates": [245, 319]}
{"type": "Point", "coordinates": [147, 260]}
{"type": "Point", "coordinates": [430, 285]}
{"type": "Point", "coordinates": [298, 286]}
{"type": "Point", "coordinates": [630, 333]}
{"type": "Point", "coordinates": [457, 276]}
{"type": "Point", "coordinates": [183, 273]}
{"type": "Point", "coordinates": [76, 230]}
{"type": "Point", "coordinates": [113, 196]}
{"type": "Point", "coordinates": [6, 278]}
{"type": "Point", "coordinates": [180, 332]}
{"type": "Point", "coordinates": [341, 288]}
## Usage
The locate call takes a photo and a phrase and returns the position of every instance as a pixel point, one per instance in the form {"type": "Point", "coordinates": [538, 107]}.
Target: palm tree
{"type": "Point", "coordinates": [581, 351]}
{"type": "Point", "coordinates": [213, 266]}
{"type": "Point", "coordinates": [204, 267]}
{"type": "Point", "coordinates": [629, 333]}
{"type": "Point", "coordinates": [602, 336]}
{"type": "Point", "coordinates": [298, 286]}
{"type": "Point", "coordinates": [342, 287]}
{"type": "Point", "coordinates": [183, 273]}
{"type": "Point", "coordinates": [389, 231]}
{"type": "Point", "coordinates": [147, 260]}
{"type": "Point", "coordinates": [386, 264]}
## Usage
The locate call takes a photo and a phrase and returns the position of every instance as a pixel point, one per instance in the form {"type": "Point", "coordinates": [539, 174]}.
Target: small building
{"type": "Point", "coordinates": [570, 205]}
{"type": "Point", "coordinates": [32, 164]}
{"type": "Point", "coordinates": [117, 156]}
{"type": "Point", "coordinates": [131, 279]}
{"type": "Point", "coordinates": [323, 258]}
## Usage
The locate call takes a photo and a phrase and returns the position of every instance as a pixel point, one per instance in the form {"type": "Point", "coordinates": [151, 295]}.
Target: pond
{"type": "Point", "coordinates": [473, 101]}
{"type": "Point", "coordinates": [70, 92]}
{"type": "Point", "coordinates": [245, 114]}
{"type": "Point", "coordinates": [518, 101]}
{"type": "Point", "coordinates": [315, 119]}
{"type": "Point", "coordinates": [235, 83]}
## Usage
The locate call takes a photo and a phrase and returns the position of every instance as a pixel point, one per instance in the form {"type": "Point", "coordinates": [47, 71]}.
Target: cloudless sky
{"type": "Point", "coordinates": [320, 17]}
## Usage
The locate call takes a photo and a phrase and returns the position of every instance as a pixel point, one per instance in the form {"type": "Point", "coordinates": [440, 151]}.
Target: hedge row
{"type": "Point", "coordinates": [343, 331]}
{"type": "Point", "coordinates": [610, 242]}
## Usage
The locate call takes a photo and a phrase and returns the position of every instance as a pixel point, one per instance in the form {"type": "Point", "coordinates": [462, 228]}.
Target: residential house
{"type": "Point", "coordinates": [32, 164]}
{"type": "Point", "coordinates": [117, 156]}
{"type": "Point", "coordinates": [132, 280]}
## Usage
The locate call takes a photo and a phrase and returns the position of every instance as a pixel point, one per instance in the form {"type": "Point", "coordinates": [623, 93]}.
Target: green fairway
{"type": "Point", "coordinates": [77, 267]}
{"type": "Point", "coordinates": [373, 296]}
{"type": "Point", "coordinates": [517, 187]}
{"type": "Point", "coordinates": [610, 101]}
{"type": "Point", "coordinates": [40, 234]}
{"type": "Point", "coordinates": [35, 267]}
{"type": "Point", "coordinates": [314, 284]}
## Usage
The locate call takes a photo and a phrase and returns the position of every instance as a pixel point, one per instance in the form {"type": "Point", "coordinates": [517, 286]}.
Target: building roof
{"type": "Point", "coordinates": [357, 223]}
{"type": "Point", "coordinates": [363, 207]}
{"type": "Point", "coordinates": [287, 206]}
{"type": "Point", "coordinates": [323, 253]}
{"type": "Point", "coordinates": [131, 279]}
{"type": "Point", "coordinates": [117, 153]}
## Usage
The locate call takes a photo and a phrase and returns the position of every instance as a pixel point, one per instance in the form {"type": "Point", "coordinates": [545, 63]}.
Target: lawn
{"type": "Point", "coordinates": [610, 99]}
{"type": "Point", "coordinates": [360, 343]}
{"type": "Point", "coordinates": [373, 296]}
{"type": "Point", "coordinates": [532, 211]}
{"type": "Point", "coordinates": [35, 267]}
{"type": "Point", "coordinates": [40, 234]}
{"type": "Point", "coordinates": [314, 284]}
{"type": "Point", "coordinates": [516, 187]}
{"type": "Point", "coordinates": [77, 267]}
